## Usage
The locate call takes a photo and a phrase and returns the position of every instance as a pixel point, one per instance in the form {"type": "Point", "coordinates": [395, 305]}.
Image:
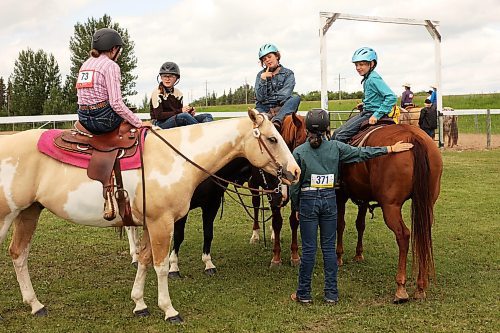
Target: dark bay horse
{"type": "Point", "coordinates": [391, 180]}
{"type": "Point", "coordinates": [294, 134]}
{"type": "Point", "coordinates": [208, 196]}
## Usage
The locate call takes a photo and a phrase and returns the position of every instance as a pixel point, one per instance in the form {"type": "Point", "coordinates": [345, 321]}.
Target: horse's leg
{"type": "Point", "coordinates": [277, 221]}
{"type": "Point", "coordinates": [144, 260]}
{"type": "Point", "coordinates": [155, 246]}
{"type": "Point", "coordinates": [255, 229]}
{"type": "Point", "coordinates": [394, 220]}
{"type": "Point", "coordinates": [208, 214]}
{"type": "Point", "coordinates": [294, 246]}
{"type": "Point", "coordinates": [360, 227]}
{"type": "Point", "coordinates": [179, 228]}
{"type": "Point", "coordinates": [341, 202]}
{"type": "Point", "coordinates": [133, 243]}
{"type": "Point", "coordinates": [24, 227]}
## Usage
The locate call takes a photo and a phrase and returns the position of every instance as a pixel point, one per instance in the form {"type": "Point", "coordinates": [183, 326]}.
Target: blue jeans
{"type": "Point", "coordinates": [184, 119]}
{"type": "Point", "coordinates": [350, 127]}
{"type": "Point", "coordinates": [99, 121]}
{"type": "Point", "coordinates": [318, 208]}
{"type": "Point", "coordinates": [430, 132]}
{"type": "Point", "coordinates": [290, 106]}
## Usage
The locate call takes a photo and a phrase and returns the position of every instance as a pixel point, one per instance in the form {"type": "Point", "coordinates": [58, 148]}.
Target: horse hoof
{"type": "Point", "coordinates": [174, 275]}
{"type": "Point", "coordinates": [359, 258]}
{"type": "Point", "coordinates": [398, 300]}
{"type": "Point", "coordinates": [340, 262]}
{"type": "Point", "coordinates": [42, 312]}
{"type": "Point", "coordinates": [175, 319]}
{"type": "Point", "coordinates": [142, 313]}
{"type": "Point", "coordinates": [295, 262]}
{"type": "Point", "coordinates": [210, 271]}
{"type": "Point", "coordinates": [135, 264]}
{"type": "Point", "coordinates": [275, 264]}
{"type": "Point", "coordinates": [254, 240]}
{"type": "Point", "coordinates": [420, 295]}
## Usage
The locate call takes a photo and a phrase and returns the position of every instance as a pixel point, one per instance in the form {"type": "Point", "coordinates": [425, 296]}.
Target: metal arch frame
{"type": "Point", "coordinates": [326, 19]}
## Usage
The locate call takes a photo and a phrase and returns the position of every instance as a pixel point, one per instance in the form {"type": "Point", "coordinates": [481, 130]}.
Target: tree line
{"type": "Point", "coordinates": [36, 87]}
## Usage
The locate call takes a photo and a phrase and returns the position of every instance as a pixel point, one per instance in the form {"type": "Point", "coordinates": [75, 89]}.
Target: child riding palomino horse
{"type": "Point", "coordinates": [29, 177]}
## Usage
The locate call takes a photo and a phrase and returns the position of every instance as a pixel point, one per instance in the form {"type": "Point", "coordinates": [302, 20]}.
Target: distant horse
{"type": "Point", "coordinates": [450, 128]}
{"type": "Point", "coordinates": [31, 181]}
{"type": "Point", "coordinates": [391, 180]}
{"type": "Point", "coordinates": [409, 115]}
{"type": "Point", "coordinates": [294, 133]}
{"type": "Point", "coordinates": [207, 196]}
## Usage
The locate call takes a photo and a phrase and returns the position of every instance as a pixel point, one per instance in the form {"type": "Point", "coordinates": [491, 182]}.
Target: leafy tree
{"type": "Point", "coordinates": [56, 103]}
{"type": "Point", "coordinates": [35, 75]}
{"type": "Point", "coordinates": [80, 45]}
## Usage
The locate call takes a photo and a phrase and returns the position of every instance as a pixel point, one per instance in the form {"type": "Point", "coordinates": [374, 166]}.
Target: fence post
{"type": "Point", "coordinates": [488, 129]}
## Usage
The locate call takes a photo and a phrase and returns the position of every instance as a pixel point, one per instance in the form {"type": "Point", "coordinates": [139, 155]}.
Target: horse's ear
{"type": "Point", "coordinates": [296, 120]}
{"type": "Point", "coordinates": [252, 113]}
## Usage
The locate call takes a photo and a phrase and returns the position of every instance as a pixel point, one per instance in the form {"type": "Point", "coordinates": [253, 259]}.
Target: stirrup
{"type": "Point", "coordinates": [109, 207]}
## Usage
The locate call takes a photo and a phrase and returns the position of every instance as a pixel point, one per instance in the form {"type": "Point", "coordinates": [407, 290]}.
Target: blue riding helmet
{"type": "Point", "coordinates": [364, 54]}
{"type": "Point", "coordinates": [266, 49]}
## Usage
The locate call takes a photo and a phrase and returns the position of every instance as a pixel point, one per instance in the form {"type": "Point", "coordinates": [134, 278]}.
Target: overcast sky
{"type": "Point", "coordinates": [215, 42]}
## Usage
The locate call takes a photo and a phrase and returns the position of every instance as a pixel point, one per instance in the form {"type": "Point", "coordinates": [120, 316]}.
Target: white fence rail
{"type": "Point", "coordinates": [45, 120]}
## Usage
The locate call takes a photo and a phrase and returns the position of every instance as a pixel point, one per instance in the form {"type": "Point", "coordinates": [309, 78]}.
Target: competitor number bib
{"type": "Point", "coordinates": [85, 79]}
{"type": "Point", "coordinates": [322, 181]}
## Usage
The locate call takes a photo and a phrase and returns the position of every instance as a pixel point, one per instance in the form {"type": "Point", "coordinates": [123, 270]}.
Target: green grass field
{"type": "Point", "coordinates": [84, 277]}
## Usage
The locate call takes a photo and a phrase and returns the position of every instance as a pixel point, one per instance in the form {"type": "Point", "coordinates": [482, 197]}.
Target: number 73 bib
{"type": "Point", "coordinates": [85, 79]}
{"type": "Point", "coordinates": [322, 181]}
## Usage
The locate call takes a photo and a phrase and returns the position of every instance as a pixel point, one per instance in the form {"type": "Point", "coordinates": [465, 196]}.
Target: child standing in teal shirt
{"type": "Point", "coordinates": [378, 100]}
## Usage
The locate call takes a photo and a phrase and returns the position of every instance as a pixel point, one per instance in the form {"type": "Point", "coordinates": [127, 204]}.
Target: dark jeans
{"type": "Point", "coordinates": [291, 105]}
{"type": "Point", "coordinates": [318, 208]}
{"type": "Point", "coordinates": [99, 121]}
{"type": "Point", "coordinates": [350, 127]}
{"type": "Point", "coordinates": [184, 119]}
{"type": "Point", "coordinates": [430, 132]}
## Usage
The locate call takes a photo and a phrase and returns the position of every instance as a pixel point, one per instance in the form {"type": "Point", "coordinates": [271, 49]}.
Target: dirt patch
{"type": "Point", "coordinates": [474, 142]}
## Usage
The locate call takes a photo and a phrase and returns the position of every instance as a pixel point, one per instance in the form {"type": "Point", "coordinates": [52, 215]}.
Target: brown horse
{"type": "Point", "coordinates": [294, 134]}
{"type": "Point", "coordinates": [409, 115]}
{"type": "Point", "coordinates": [391, 180]}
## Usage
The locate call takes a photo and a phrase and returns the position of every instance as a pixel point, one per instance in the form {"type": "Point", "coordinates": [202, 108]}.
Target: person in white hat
{"type": "Point", "coordinates": [407, 96]}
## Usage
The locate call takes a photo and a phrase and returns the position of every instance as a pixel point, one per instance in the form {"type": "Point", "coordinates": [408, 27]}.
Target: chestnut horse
{"type": "Point", "coordinates": [294, 133]}
{"type": "Point", "coordinates": [31, 181]}
{"type": "Point", "coordinates": [391, 180]}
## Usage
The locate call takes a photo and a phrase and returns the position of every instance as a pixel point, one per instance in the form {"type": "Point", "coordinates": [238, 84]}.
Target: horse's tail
{"type": "Point", "coordinates": [422, 212]}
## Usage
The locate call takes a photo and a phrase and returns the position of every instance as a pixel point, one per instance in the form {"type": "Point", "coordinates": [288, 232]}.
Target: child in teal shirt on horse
{"type": "Point", "coordinates": [378, 100]}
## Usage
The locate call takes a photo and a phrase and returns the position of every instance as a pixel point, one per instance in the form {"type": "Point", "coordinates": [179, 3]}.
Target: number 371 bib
{"type": "Point", "coordinates": [322, 181]}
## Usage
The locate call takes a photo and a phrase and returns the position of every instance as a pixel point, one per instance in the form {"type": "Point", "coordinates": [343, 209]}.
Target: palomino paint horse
{"type": "Point", "coordinates": [31, 181]}
{"type": "Point", "coordinates": [294, 133]}
{"type": "Point", "coordinates": [391, 180]}
{"type": "Point", "coordinates": [207, 196]}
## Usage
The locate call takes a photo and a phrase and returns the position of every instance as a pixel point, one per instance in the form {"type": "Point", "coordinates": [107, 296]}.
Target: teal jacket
{"type": "Point", "coordinates": [379, 98]}
{"type": "Point", "coordinates": [325, 160]}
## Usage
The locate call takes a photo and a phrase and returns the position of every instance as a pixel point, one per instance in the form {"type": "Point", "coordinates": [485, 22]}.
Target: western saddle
{"type": "Point", "coordinates": [106, 150]}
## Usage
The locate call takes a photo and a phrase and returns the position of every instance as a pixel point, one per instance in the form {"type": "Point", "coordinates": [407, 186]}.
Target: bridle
{"type": "Point", "coordinates": [263, 147]}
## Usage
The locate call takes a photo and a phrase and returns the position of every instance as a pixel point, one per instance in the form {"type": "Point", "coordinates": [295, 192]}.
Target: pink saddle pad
{"type": "Point", "coordinates": [46, 145]}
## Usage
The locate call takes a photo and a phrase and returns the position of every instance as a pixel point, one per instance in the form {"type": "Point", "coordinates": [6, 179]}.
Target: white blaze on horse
{"type": "Point", "coordinates": [31, 181]}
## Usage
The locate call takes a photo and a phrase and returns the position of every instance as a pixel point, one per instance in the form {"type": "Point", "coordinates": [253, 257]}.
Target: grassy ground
{"type": "Point", "coordinates": [84, 277]}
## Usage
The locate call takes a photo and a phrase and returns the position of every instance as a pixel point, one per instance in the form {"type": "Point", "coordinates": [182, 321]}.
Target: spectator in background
{"type": "Point", "coordinates": [433, 97]}
{"type": "Point", "coordinates": [407, 96]}
{"type": "Point", "coordinates": [428, 118]}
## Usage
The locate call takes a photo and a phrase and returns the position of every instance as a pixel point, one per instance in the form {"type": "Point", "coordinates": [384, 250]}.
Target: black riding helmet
{"type": "Point", "coordinates": [105, 39]}
{"type": "Point", "coordinates": [317, 120]}
{"type": "Point", "coordinates": [170, 68]}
